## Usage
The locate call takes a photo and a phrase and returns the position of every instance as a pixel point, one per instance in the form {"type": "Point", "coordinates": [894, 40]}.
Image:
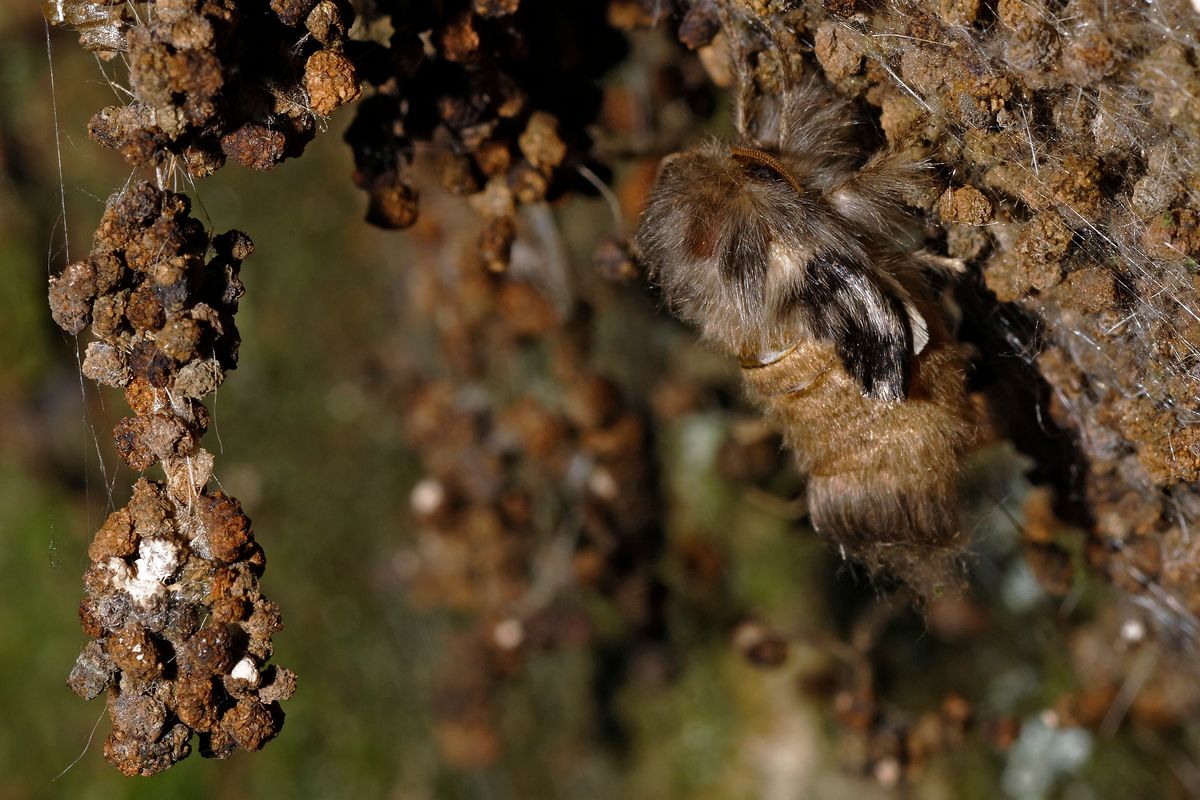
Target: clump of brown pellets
{"type": "Point", "coordinates": [101, 24]}
{"type": "Point", "coordinates": [214, 79]}
{"type": "Point", "coordinates": [500, 92]}
{"type": "Point", "coordinates": [181, 632]}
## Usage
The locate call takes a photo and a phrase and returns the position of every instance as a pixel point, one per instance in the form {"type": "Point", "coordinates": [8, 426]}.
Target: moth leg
{"type": "Point", "coordinates": [874, 197]}
{"type": "Point", "coordinates": [781, 507]}
{"type": "Point", "coordinates": [815, 125]}
{"type": "Point", "coordinates": [943, 265]}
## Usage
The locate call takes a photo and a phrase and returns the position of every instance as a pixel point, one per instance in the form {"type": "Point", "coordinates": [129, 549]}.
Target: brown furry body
{"type": "Point", "coordinates": [881, 475]}
{"type": "Point", "coordinates": [793, 256]}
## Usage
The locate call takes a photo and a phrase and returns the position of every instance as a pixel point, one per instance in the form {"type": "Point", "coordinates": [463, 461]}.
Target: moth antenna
{"type": "Point", "coordinates": [610, 197]}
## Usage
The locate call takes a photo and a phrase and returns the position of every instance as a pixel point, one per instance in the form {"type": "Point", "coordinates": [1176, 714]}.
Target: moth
{"type": "Point", "coordinates": [791, 252]}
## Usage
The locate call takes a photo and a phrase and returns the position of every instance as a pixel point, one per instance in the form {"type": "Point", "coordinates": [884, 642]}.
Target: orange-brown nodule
{"type": "Point", "coordinates": [101, 24]}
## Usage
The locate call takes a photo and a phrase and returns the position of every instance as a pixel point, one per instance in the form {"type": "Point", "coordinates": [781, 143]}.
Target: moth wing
{"type": "Point", "coordinates": [866, 317]}
{"type": "Point", "coordinates": [920, 329]}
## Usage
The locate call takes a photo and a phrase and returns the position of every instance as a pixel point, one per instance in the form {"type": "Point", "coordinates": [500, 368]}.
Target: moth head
{"type": "Point", "coordinates": [711, 235]}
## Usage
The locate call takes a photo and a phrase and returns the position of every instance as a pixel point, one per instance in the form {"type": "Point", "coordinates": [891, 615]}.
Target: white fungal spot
{"type": "Point", "coordinates": [888, 772]}
{"type": "Point", "coordinates": [427, 496]}
{"type": "Point", "coordinates": [1133, 630]}
{"type": "Point", "coordinates": [603, 484]}
{"type": "Point", "coordinates": [508, 633]}
{"type": "Point", "coordinates": [157, 561]}
{"type": "Point", "coordinates": [119, 570]}
{"type": "Point", "coordinates": [245, 670]}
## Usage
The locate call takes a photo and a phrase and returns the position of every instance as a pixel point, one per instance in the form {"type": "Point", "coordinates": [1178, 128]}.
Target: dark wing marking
{"type": "Point", "coordinates": [743, 264]}
{"type": "Point", "coordinates": [863, 317]}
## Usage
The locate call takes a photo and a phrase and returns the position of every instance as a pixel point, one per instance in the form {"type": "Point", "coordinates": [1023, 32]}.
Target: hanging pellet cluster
{"type": "Point", "coordinates": [217, 79]}
{"type": "Point", "coordinates": [500, 92]}
{"type": "Point", "coordinates": [181, 632]}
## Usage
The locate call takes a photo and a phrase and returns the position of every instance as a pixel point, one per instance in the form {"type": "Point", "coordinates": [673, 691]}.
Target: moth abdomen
{"type": "Point", "coordinates": [882, 476]}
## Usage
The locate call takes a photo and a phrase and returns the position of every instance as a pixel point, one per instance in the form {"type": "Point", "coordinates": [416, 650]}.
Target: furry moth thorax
{"type": "Point", "coordinates": [760, 244]}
